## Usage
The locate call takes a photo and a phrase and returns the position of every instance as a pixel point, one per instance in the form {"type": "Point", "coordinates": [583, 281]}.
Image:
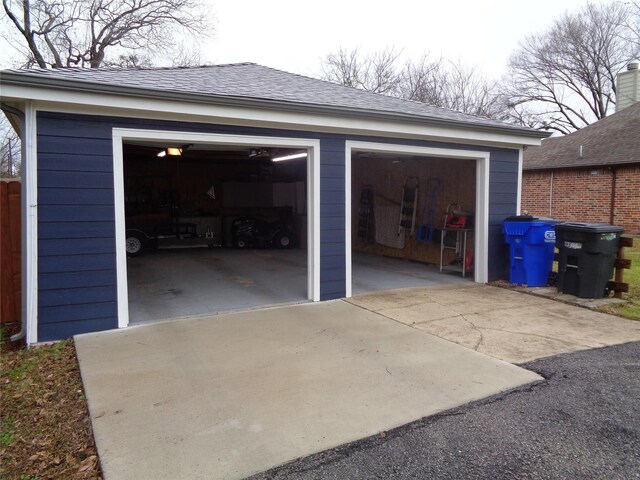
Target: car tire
{"type": "Point", "coordinates": [283, 240]}
{"type": "Point", "coordinates": [241, 243]}
{"type": "Point", "coordinates": [134, 244]}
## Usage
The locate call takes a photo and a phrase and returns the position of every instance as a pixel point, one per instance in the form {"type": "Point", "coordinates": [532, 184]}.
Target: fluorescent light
{"type": "Point", "coordinates": [163, 153]}
{"type": "Point", "coordinates": [175, 151]}
{"type": "Point", "coordinates": [289, 157]}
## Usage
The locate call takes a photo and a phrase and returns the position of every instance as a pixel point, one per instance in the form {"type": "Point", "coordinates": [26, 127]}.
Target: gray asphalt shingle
{"type": "Point", "coordinates": [251, 81]}
{"type": "Point", "coordinates": [614, 140]}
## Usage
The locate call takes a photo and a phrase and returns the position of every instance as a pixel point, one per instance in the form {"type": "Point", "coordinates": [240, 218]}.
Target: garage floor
{"type": "Point", "coordinates": [236, 394]}
{"type": "Point", "coordinates": [372, 273]}
{"type": "Point", "coordinates": [195, 282]}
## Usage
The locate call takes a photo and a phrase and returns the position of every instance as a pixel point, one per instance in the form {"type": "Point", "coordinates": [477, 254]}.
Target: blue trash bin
{"type": "Point", "coordinates": [531, 247]}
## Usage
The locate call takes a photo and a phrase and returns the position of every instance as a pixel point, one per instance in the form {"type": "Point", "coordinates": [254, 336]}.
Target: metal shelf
{"type": "Point", "coordinates": [460, 248]}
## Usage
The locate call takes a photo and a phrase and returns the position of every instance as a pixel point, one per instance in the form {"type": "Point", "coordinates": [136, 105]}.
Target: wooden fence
{"type": "Point", "coordinates": [10, 283]}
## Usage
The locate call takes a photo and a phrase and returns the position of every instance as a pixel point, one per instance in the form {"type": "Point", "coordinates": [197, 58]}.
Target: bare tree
{"type": "Point", "coordinates": [631, 29]}
{"type": "Point", "coordinates": [10, 153]}
{"type": "Point", "coordinates": [376, 72]}
{"type": "Point", "coordinates": [421, 81]}
{"type": "Point", "coordinates": [68, 33]}
{"type": "Point", "coordinates": [565, 78]}
{"type": "Point", "coordinates": [451, 85]}
{"type": "Point", "coordinates": [435, 82]}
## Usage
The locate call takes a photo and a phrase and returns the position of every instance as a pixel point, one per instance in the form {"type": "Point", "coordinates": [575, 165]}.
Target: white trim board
{"type": "Point", "coordinates": [121, 135]}
{"type": "Point", "coordinates": [119, 105]}
{"type": "Point", "coordinates": [29, 220]}
{"type": "Point", "coordinates": [481, 271]}
{"type": "Point", "coordinates": [520, 165]}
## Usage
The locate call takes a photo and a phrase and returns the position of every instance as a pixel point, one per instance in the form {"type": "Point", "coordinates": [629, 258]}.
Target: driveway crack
{"type": "Point", "coordinates": [477, 329]}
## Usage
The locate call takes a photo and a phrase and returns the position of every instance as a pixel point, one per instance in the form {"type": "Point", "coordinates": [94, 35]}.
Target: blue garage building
{"type": "Point", "coordinates": [80, 126]}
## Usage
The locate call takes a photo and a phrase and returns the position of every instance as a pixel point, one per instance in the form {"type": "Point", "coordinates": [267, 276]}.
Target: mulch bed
{"type": "Point", "coordinates": [45, 430]}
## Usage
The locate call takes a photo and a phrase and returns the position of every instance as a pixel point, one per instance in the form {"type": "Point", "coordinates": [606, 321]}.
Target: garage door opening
{"type": "Point", "coordinates": [214, 228]}
{"type": "Point", "coordinates": [413, 219]}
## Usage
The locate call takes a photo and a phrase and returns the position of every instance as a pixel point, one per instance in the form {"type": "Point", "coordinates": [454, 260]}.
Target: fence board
{"type": "Point", "coordinates": [10, 283]}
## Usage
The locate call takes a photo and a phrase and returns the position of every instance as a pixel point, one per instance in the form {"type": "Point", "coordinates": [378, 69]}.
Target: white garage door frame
{"type": "Point", "coordinates": [121, 135]}
{"type": "Point", "coordinates": [481, 233]}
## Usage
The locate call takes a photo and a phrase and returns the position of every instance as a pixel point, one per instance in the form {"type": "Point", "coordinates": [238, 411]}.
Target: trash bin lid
{"type": "Point", "coordinates": [589, 227]}
{"type": "Point", "coordinates": [529, 218]}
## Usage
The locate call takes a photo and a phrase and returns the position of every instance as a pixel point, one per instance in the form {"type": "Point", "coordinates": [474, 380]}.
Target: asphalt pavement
{"type": "Point", "coordinates": [582, 422]}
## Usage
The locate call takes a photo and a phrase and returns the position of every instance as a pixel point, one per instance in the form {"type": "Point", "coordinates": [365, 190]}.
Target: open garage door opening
{"type": "Point", "coordinates": [412, 220]}
{"type": "Point", "coordinates": [213, 228]}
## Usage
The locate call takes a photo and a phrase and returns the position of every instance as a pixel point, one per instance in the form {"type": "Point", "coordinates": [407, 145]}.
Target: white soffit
{"type": "Point", "coordinates": [162, 109]}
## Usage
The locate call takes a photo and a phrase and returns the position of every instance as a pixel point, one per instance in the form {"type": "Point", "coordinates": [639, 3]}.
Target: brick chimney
{"type": "Point", "coordinates": [628, 89]}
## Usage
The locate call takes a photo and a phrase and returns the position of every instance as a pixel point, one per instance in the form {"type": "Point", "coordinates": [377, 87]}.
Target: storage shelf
{"type": "Point", "coordinates": [460, 248]}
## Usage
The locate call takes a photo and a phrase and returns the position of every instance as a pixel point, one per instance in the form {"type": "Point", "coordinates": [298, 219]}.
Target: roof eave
{"type": "Point", "coordinates": [579, 167]}
{"type": "Point", "coordinates": [28, 80]}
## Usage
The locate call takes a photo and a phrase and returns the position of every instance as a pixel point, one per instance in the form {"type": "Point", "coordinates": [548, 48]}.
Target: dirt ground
{"type": "Point", "coordinates": [45, 431]}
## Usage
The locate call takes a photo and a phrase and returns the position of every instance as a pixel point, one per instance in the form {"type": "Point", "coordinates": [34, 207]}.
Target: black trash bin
{"type": "Point", "coordinates": [587, 255]}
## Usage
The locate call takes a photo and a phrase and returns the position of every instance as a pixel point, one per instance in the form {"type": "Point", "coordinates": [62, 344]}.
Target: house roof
{"type": "Point", "coordinates": [614, 140]}
{"type": "Point", "coordinates": [252, 84]}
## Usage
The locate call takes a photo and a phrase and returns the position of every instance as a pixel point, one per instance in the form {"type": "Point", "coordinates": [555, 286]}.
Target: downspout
{"type": "Point", "coordinates": [613, 195]}
{"type": "Point", "coordinates": [551, 195]}
{"type": "Point", "coordinates": [20, 114]}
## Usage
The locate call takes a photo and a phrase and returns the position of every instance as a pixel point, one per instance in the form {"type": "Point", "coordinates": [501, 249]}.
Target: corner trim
{"type": "Point", "coordinates": [30, 224]}
{"type": "Point", "coordinates": [520, 164]}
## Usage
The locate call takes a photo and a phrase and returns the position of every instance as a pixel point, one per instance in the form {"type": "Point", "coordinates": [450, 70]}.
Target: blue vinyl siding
{"type": "Point", "coordinates": [76, 231]}
{"type": "Point", "coordinates": [503, 197]}
{"type": "Point", "coordinates": [332, 218]}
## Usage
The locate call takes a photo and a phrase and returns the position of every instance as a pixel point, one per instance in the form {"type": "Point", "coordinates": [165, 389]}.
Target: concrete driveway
{"type": "Point", "coordinates": [232, 395]}
{"type": "Point", "coordinates": [582, 423]}
{"type": "Point", "coordinates": [509, 325]}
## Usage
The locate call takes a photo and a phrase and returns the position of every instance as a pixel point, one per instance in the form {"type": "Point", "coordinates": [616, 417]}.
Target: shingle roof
{"type": "Point", "coordinates": [254, 82]}
{"type": "Point", "coordinates": [614, 140]}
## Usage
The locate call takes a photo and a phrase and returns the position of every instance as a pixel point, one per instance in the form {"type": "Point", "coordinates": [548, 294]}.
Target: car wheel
{"type": "Point", "coordinates": [134, 244]}
{"type": "Point", "coordinates": [283, 240]}
{"type": "Point", "coordinates": [241, 243]}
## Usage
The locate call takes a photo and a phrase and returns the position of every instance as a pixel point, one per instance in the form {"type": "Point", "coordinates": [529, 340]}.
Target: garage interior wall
{"type": "Point", "coordinates": [386, 176]}
{"type": "Point", "coordinates": [76, 219]}
{"type": "Point", "coordinates": [209, 188]}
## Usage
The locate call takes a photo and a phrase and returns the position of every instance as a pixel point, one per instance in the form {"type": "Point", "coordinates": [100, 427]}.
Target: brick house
{"type": "Point", "coordinates": [591, 175]}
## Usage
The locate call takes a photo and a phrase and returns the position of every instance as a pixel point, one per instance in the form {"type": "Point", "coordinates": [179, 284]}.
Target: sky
{"type": "Point", "coordinates": [295, 35]}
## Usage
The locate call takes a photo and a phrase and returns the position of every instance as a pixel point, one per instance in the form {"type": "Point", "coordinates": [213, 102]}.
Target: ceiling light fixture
{"type": "Point", "coordinates": [289, 157]}
{"type": "Point", "coordinates": [258, 152]}
{"type": "Point", "coordinates": [173, 151]}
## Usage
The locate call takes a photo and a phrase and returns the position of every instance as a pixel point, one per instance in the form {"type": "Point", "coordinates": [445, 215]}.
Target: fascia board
{"type": "Point", "coordinates": [271, 115]}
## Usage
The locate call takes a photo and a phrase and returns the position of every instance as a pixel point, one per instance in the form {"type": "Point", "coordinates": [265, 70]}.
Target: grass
{"type": "Point", "coordinates": [632, 277]}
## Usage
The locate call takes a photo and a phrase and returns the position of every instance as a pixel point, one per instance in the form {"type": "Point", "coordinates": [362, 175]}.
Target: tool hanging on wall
{"type": "Point", "coordinates": [426, 228]}
{"type": "Point", "coordinates": [365, 213]}
{"type": "Point", "coordinates": [457, 218]}
{"type": "Point", "coordinates": [408, 205]}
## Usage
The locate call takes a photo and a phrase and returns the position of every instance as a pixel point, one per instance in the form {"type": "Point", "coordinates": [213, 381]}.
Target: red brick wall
{"type": "Point", "coordinates": [584, 195]}
{"type": "Point", "coordinates": [627, 210]}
